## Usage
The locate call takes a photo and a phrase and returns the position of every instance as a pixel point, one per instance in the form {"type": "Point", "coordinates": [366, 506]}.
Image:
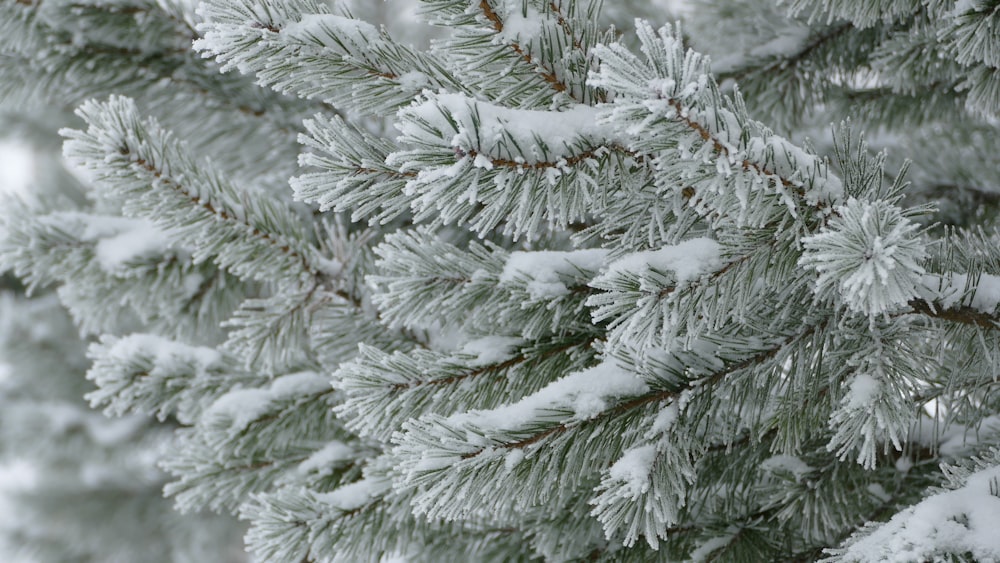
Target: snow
{"type": "Point", "coordinates": [165, 353]}
{"type": "Point", "coordinates": [634, 468]}
{"type": "Point", "coordinates": [664, 419]}
{"type": "Point", "coordinates": [706, 549]}
{"type": "Point", "coordinates": [242, 406]}
{"type": "Point", "coordinates": [143, 239]}
{"type": "Point", "coordinates": [863, 391]}
{"type": "Point", "coordinates": [951, 289]}
{"type": "Point", "coordinates": [491, 349]}
{"type": "Point", "coordinates": [903, 464]}
{"type": "Point", "coordinates": [963, 7]}
{"type": "Point", "coordinates": [523, 136]}
{"type": "Point", "coordinates": [544, 270]}
{"type": "Point", "coordinates": [326, 458]}
{"type": "Point", "coordinates": [788, 161]}
{"type": "Point", "coordinates": [791, 39]}
{"type": "Point", "coordinates": [958, 521]}
{"type": "Point", "coordinates": [585, 393]}
{"type": "Point", "coordinates": [513, 457]}
{"type": "Point", "coordinates": [786, 464]}
{"type": "Point", "coordinates": [118, 240]}
{"type": "Point", "coordinates": [958, 440]}
{"type": "Point", "coordinates": [414, 80]}
{"type": "Point", "coordinates": [333, 31]}
{"type": "Point", "coordinates": [688, 260]}
{"type": "Point", "coordinates": [355, 495]}
{"type": "Point", "coordinates": [520, 26]}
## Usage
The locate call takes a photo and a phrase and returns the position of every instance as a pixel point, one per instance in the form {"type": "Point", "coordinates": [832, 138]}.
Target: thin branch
{"type": "Point", "coordinates": [720, 148]}
{"type": "Point", "coordinates": [268, 238]}
{"type": "Point", "coordinates": [545, 165]}
{"type": "Point", "coordinates": [792, 59]}
{"type": "Point", "coordinates": [962, 315]}
{"type": "Point", "coordinates": [549, 75]}
{"type": "Point", "coordinates": [493, 368]}
{"type": "Point", "coordinates": [663, 395]}
{"type": "Point", "coordinates": [564, 24]}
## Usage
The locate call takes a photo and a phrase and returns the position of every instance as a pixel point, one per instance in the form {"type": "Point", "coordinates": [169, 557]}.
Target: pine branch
{"type": "Point", "coordinates": [658, 396]}
{"type": "Point", "coordinates": [961, 314]}
{"type": "Point", "coordinates": [546, 73]}
{"type": "Point", "coordinates": [818, 42]}
{"type": "Point", "coordinates": [140, 162]}
{"type": "Point", "coordinates": [301, 47]}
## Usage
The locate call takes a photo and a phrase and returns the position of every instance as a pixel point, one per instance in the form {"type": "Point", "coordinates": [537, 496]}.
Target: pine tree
{"type": "Point", "coordinates": [542, 288]}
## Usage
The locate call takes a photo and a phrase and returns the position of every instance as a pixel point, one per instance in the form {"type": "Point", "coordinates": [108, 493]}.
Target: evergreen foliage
{"type": "Point", "coordinates": [542, 289]}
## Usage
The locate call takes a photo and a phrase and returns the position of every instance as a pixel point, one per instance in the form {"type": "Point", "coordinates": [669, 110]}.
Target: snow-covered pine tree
{"type": "Point", "coordinates": [542, 290]}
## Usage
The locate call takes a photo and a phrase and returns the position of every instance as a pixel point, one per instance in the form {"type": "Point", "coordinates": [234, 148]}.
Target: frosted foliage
{"type": "Point", "coordinates": [495, 132]}
{"type": "Point", "coordinates": [869, 254]}
{"type": "Point", "coordinates": [505, 280]}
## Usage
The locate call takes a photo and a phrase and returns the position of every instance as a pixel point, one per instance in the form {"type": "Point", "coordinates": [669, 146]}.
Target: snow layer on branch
{"type": "Point", "coordinates": [357, 494]}
{"type": "Point", "coordinates": [633, 468]}
{"type": "Point", "coordinates": [323, 460]}
{"type": "Point", "coordinates": [119, 240]}
{"type": "Point", "coordinates": [949, 290]}
{"type": "Point", "coordinates": [243, 406]}
{"type": "Point", "coordinates": [168, 354]}
{"type": "Point", "coordinates": [585, 393]}
{"type": "Point", "coordinates": [332, 31]}
{"type": "Point", "coordinates": [545, 270]}
{"type": "Point", "coordinates": [491, 349]}
{"type": "Point", "coordinates": [499, 133]}
{"type": "Point", "coordinates": [864, 390]}
{"type": "Point", "coordinates": [687, 260]}
{"type": "Point", "coordinates": [959, 521]}
{"type": "Point", "coordinates": [791, 162]}
{"type": "Point", "coordinates": [783, 463]}
{"type": "Point", "coordinates": [520, 27]}
{"type": "Point", "coordinates": [956, 440]}
{"type": "Point", "coordinates": [123, 240]}
{"type": "Point", "coordinates": [790, 41]}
